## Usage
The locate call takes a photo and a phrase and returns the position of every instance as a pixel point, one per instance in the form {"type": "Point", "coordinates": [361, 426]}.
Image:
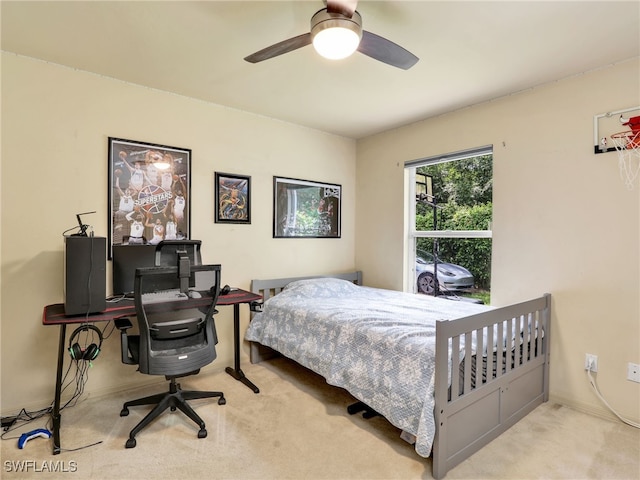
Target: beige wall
{"type": "Point", "coordinates": [563, 220]}
{"type": "Point", "coordinates": [55, 125]}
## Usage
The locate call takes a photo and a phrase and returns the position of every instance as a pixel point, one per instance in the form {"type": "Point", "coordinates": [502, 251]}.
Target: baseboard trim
{"type": "Point", "coordinates": [600, 412]}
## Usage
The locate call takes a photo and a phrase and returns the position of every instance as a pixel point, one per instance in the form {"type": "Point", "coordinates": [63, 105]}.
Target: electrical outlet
{"type": "Point", "coordinates": [591, 362]}
{"type": "Point", "coordinates": [633, 372]}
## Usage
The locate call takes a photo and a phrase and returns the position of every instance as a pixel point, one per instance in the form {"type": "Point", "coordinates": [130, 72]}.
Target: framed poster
{"type": "Point", "coordinates": [233, 198]}
{"type": "Point", "coordinates": [307, 209]}
{"type": "Point", "coordinates": [149, 193]}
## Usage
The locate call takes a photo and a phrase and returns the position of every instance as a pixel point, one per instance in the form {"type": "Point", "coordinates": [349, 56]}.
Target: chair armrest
{"type": "Point", "coordinates": [123, 324]}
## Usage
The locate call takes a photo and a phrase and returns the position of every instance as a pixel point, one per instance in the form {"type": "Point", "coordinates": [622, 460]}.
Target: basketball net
{"type": "Point", "coordinates": [628, 146]}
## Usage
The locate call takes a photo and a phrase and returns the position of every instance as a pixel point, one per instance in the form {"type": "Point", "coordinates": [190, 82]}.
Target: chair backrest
{"type": "Point", "coordinates": [175, 337]}
{"type": "Point", "coordinates": [166, 251]}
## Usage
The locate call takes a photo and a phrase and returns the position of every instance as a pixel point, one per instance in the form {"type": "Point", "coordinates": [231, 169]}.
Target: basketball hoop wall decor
{"type": "Point", "coordinates": [628, 146]}
{"type": "Point", "coordinates": [149, 193]}
{"type": "Point", "coordinates": [621, 130]}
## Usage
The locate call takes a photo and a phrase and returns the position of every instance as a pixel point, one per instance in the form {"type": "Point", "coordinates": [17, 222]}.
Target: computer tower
{"type": "Point", "coordinates": [85, 281]}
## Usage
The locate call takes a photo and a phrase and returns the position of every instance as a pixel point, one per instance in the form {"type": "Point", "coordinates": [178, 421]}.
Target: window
{"type": "Point", "coordinates": [450, 215]}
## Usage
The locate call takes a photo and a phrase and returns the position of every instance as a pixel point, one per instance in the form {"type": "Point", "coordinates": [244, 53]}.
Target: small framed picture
{"type": "Point", "coordinates": [305, 209]}
{"type": "Point", "coordinates": [233, 198]}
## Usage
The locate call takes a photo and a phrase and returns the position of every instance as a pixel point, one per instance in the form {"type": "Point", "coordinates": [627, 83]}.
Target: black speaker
{"type": "Point", "coordinates": [85, 273]}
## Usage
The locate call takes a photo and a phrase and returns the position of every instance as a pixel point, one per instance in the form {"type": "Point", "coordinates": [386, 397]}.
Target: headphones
{"type": "Point", "coordinates": [89, 353]}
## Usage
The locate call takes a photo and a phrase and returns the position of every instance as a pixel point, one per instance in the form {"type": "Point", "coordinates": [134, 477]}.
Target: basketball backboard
{"type": "Point", "coordinates": [609, 123]}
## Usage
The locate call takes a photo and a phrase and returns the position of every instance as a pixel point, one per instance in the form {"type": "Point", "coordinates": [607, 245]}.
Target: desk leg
{"type": "Point", "coordinates": [236, 372]}
{"type": "Point", "coordinates": [55, 416]}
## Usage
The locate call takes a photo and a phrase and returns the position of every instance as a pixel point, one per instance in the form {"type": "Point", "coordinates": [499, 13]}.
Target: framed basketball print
{"type": "Point", "coordinates": [149, 193]}
{"type": "Point", "coordinates": [306, 209]}
{"type": "Point", "coordinates": [233, 198]}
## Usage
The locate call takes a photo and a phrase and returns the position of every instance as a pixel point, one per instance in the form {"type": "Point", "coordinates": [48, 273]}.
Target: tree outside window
{"type": "Point", "coordinates": [462, 192]}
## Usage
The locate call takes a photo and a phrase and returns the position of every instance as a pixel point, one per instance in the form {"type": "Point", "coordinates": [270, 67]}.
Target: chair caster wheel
{"type": "Point", "coordinates": [202, 433]}
{"type": "Point", "coordinates": [222, 401]}
{"type": "Point", "coordinates": [130, 443]}
{"type": "Point", "coordinates": [124, 412]}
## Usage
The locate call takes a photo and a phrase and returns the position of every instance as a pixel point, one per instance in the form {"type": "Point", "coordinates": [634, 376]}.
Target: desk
{"type": "Point", "coordinates": [54, 315]}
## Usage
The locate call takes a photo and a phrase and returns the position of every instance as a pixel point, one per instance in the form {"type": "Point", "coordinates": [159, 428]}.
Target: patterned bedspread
{"type": "Point", "coordinates": [377, 344]}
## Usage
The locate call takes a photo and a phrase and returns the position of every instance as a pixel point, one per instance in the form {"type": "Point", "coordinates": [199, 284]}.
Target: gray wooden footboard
{"type": "Point", "coordinates": [471, 410]}
{"type": "Point", "coordinates": [500, 375]}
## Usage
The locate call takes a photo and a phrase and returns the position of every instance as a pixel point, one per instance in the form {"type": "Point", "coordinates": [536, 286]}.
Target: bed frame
{"type": "Point", "coordinates": [472, 409]}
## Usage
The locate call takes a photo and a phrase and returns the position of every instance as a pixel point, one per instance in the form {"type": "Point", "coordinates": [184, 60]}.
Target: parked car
{"type": "Point", "coordinates": [451, 277]}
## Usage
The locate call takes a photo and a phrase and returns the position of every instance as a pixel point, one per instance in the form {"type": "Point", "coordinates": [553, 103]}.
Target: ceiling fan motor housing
{"type": "Point", "coordinates": [335, 35]}
{"type": "Point", "coordinates": [323, 19]}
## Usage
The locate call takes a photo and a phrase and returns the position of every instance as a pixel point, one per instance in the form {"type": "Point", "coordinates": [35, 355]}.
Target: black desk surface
{"type": "Point", "coordinates": [54, 314]}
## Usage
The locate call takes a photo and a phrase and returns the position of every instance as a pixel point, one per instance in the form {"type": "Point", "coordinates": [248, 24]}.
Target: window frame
{"type": "Point", "coordinates": [411, 233]}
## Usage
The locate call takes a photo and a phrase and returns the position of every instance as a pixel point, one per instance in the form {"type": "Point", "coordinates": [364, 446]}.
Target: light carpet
{"type": "Point", "coordinates": [297, 427]}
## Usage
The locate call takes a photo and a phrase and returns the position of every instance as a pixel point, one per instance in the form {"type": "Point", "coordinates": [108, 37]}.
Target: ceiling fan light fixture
{"type": "Point", "coordinates": [335, 36]}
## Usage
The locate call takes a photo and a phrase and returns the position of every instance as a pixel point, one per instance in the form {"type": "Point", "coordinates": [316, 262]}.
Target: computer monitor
{"type": "Point", "coordinates": [126, 258]}
{"type": "Point", "coordinates": [168, 253]}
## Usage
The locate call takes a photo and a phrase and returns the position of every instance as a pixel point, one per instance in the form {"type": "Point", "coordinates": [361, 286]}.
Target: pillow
{"type": "Point", "coordinates": [320, 287]}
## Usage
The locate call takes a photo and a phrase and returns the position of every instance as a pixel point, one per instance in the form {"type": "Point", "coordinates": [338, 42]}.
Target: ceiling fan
{"type": "Point", "coordinates": [336, 32]}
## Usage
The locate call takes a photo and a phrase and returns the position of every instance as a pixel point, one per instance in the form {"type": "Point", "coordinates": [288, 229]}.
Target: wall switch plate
{"type": "Point", "coordinates": [633, 372]}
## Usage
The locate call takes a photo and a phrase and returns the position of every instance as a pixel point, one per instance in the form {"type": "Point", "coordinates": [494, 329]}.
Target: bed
{"type": "Point", "coordinates": [451, 375]}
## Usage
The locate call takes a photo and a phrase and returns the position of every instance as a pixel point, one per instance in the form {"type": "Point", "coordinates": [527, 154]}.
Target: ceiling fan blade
{"type": "Point", "coordinates": [344, 7]}
{"type": "Point", "coordinates": [386, 51]}
{"type": "Point", "coordinates": [279, 48]}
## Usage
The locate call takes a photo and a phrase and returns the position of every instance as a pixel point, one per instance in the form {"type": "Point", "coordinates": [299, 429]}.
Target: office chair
{"type": "Point", "coordinates": [174, 340]}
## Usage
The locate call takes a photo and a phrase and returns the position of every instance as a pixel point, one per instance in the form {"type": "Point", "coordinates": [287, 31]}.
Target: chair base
{"type": "Point", "coordinates": [176, 398]}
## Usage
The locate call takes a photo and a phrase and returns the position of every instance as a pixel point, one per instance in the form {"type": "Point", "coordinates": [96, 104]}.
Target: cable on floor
{"type": "Point", "coordinates": [594, 385]}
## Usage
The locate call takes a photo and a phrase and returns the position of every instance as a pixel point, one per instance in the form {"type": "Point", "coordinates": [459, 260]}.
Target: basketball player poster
{"type": "Point", "coordinates": [149, 193]}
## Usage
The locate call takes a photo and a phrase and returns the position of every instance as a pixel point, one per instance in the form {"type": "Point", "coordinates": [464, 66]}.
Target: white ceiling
{"type": "Point", "coordinates": [469, 52]}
